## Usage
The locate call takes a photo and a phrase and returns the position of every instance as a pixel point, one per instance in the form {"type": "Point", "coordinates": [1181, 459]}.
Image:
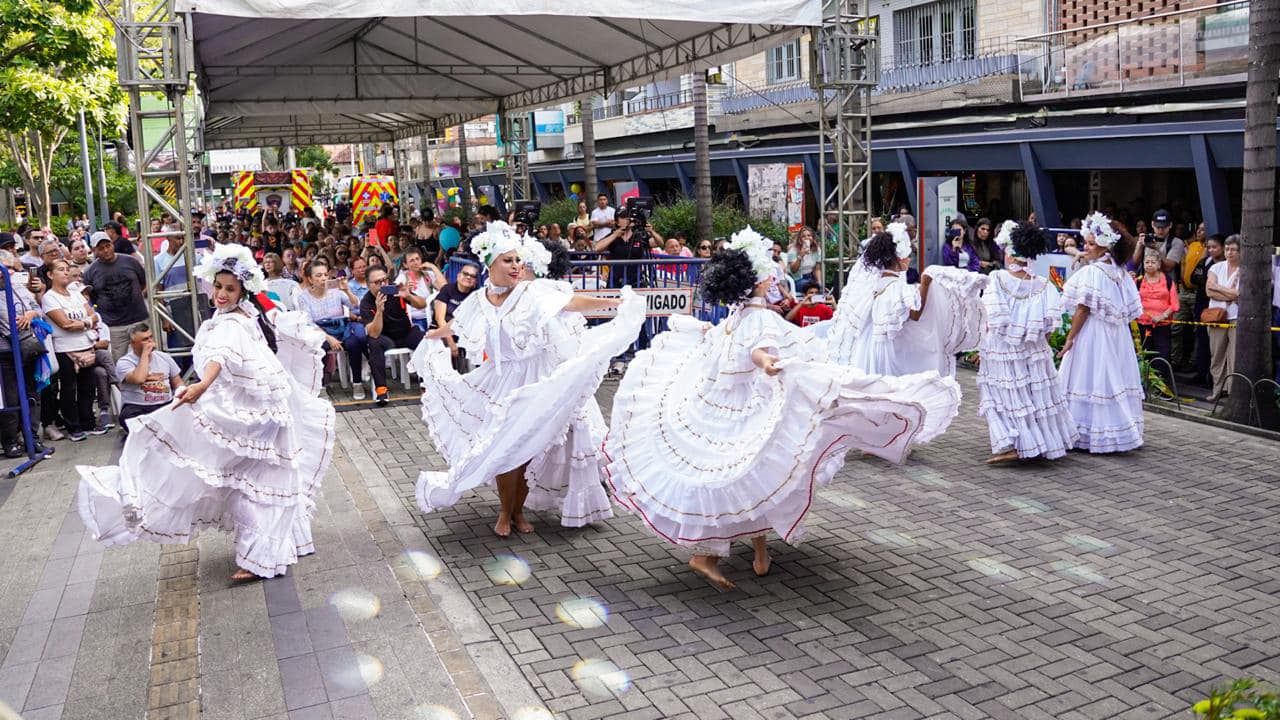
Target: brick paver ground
{"type": "Point", "coordinates": [1091, 587]}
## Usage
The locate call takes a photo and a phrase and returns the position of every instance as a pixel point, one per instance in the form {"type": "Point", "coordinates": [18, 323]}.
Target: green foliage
{"type": "Point", "coordinates": [1241, 700]}
{"type": "Point", "coordinates": [726, 219]}
{"type": "Point", "coordinates": [1152, 380]}
{"type": "Point", "coordinates": [56, 58]}
{"type": "Point", "coordinates": [66, 182]}
{"type": "Point", "coordinates": [314, 157]}
{"type": "Point", "coordinates": [560, 211]}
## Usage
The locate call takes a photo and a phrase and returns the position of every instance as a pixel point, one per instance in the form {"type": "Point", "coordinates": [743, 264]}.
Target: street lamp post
{"type": "Point", "coordinates": [88, 178]}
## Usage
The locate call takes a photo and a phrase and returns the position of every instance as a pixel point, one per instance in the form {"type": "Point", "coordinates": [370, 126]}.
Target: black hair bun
{"type": "Point", "coordinates": [881, 252]}
{"type": "Point", "coordinates": [559, 266]}
{"type": "Point", "coordinates": [728, 278]}
{"type": "Point", "coordinates": [1026, 240]}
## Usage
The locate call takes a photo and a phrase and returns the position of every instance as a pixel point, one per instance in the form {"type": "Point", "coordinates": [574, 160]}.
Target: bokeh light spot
{"type": "Point", "coordinates": [507, 570]}
{"type": "Point", "coordinates": [599, 679]}
{"type": "Point", "coordinates": [354, 604]}
{"type": "Point", "coordinates": [582, 613]}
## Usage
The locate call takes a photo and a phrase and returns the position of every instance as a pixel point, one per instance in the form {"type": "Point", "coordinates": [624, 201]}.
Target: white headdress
{"type": "Point", "coordinates": [535, 255]}
{"type": "Point", "coordinates": [757, 247]}
{"type": "Point", "coordinates": [1098, 227]}
{"type": "Point", "coordinates": [1002, 237]}
{"type": "Point", "coordinates": [497, 239]}
{"type": "Point", "coordinates": [901, 239]}
{"type": "Point", "coordinates": [237, 260]}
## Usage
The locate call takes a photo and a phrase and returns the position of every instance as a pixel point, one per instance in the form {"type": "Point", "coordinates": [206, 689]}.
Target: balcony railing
{"type": "Point", "coordinates": [1206, 45]}
{"type": "Point", "coordinates": [636, 106]}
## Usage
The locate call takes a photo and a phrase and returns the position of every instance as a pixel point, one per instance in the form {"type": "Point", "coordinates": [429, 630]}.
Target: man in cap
{"type": "Point", "coordinates": [117, 287]}
{"type": "Point", "coordinates": [1174, 251]}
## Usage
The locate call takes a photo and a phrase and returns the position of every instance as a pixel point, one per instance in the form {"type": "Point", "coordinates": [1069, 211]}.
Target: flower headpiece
{"type": "Point", "coordinates": [497, 239]}
{"type": "Point", "coordinates": [757, 247]}
{"type": "Point", "coordinates": [237, 260]}
{"type": "Point", "coordinates": [535, 255]}
{"type": "Point", "coordinates": [1098, 226]}
{"type": "Point", "coordinates": [1002, 237]}
{"type": "Point", "coordinates": [901, 239]}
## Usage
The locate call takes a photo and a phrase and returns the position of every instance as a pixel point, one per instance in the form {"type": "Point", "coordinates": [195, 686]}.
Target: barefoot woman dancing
{"type": "Point", "coordinates": [521, 400]}
{"type": "Point", "coordinates": [244, 449]}
{"type": "Point", "coordinates": [724, 432]}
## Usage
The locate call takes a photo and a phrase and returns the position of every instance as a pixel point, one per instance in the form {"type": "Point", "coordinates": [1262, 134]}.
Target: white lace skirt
{"type": "Point", "coordinates": [1103, 389]}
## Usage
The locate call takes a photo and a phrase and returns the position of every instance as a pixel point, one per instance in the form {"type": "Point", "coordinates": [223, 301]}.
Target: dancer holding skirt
{"type": "Point", "coordinates": [244, 449]}
{"type": "Point", "coordinates": [725, 432]}
{"type": "Point", "coordinates": [520, 402]}
{"type": "Point", "coordinates": [1099, 372]}
{"type": "Point", "coordinates": [1021, 399]}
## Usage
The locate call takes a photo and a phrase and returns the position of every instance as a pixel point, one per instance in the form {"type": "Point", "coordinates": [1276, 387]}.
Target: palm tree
{"type": "Point", "coordinates": [1253, 338]}
{"type": "Point", "coordinates": [701, 155]}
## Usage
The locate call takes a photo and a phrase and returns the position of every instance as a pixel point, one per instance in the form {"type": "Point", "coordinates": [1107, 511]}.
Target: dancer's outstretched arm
{"type": "Point", "coordinates": [585, 304]}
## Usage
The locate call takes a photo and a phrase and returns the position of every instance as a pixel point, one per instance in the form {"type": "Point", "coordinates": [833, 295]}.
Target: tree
{"type": "Point", "coordinates": [1258, 216]}
{"type": "Point", "coordinates": [701, 155]}
{"type": "Point", "coordinates": [67, 183]}
{"type": "Point", "coordinates": [57, 57]}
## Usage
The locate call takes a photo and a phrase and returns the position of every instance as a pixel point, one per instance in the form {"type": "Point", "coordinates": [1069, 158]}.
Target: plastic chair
{"type": "Point", "coordinates": [398, 361]}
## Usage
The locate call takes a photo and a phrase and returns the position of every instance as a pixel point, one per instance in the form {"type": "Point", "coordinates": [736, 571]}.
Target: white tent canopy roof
{"type": "Point", "coordinates": [318, 71]}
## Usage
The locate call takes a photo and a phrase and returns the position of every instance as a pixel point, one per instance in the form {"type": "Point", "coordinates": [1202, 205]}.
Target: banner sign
{"type": "Point", "coordinates": [661, 302]}
{"type": "Point", "coordinates": [548, 129]}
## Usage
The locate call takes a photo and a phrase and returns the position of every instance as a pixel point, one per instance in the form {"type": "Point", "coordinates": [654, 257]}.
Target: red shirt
{"type": "Point", "coordinates": [386, 227]}
{"type": "Point", "coordinates": [810, 314]}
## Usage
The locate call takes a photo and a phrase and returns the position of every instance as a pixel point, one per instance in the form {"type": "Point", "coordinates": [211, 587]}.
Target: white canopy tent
{"type": "Point", "coordinates": [315, 71]}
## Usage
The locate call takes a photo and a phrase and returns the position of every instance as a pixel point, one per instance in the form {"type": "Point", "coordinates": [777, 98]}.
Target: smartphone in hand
{"type": "Point", "coordinates": [391, 290]}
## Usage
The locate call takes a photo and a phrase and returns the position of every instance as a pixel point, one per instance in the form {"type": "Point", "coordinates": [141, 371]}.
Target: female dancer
{"type": "Point", "coordinates": [569, 477]}
{"type": "Point", "coordinates": [1021, 400]}
{"type": "Point", "coordinates": [244, 449]}
{"type": "Point", "coordinates": [725, 432]}
{"type": "Point", "coordinates": [1099, 370]}
{"type": "Point", "coordinates": [885, 326]}
{"type": "Point", "coordinates": [519, 403]}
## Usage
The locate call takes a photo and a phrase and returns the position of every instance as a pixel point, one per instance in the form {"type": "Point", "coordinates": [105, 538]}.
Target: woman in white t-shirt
{"type": "Point", "coordinates": [1223, 288]}
{"type": "Point", "coordinates": [423, 279]}
{"type": "Point", "coordinates": [804, 259]}
{"type": "Point", "coordinates": [74, 332]}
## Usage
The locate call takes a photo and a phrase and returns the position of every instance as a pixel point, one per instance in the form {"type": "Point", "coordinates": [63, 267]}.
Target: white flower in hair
{"type": "Point", "coordinates": [535, 255]}
{"type": "Point", "coordinates": [901, 239]}
{"type": "Point", "coordinates": [757, 247]}
{"type": "Point", "coordinates": [1098, 226]}
{"type": "Point", "coordinates": [497, 239]}
{"type": "Point", "coordinates": [237, 260]}
{"type": "Point", "coordinates": [1002, 237]}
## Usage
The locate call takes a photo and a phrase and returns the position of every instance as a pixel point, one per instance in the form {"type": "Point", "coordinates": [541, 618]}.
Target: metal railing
{"type": "Point", "coordinates": [1205, 45]}
{"type": "Point", "coordinates": [636, 106]}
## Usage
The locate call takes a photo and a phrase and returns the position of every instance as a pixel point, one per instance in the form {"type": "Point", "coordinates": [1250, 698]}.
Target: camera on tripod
{"type": "Point", "coordinates": [638, 210]}
{"type": "Point", "coordinates": [526, 214]}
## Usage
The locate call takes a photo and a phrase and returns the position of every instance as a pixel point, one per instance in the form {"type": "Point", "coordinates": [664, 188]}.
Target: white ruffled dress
{"type": "Point", "coordinates": [1099, 374]}
{"type": "Point", "coordinates": [705, 447]}
{"type": "Point", "coordinates": [1021, 399]}
{"type": "Point", "coordinates": [531, 400]}
{"type": "Point", "coordinates": [247, 457]}
{"type": "Point", "coordinates": [872, 330]}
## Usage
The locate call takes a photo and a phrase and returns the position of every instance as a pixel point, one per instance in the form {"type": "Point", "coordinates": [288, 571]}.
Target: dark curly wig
{"type": "Point", "coordinates": [728, 278]}
{"type": "Point", "coordinates": [559, 266]}
{"type": "Point", "coordinates": [881, 252]}
{"type": "Point", "coordinates": [1026, 240]}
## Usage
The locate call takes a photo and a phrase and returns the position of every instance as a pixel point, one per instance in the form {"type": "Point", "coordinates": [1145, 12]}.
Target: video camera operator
{"type": "Point", "coordinates": [632, 239]}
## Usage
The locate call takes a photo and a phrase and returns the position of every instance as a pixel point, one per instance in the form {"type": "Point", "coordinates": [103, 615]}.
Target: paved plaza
{"type": "Point", "coordinates": [1092, 587]}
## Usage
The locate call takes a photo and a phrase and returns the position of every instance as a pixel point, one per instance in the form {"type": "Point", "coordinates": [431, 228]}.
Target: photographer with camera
{"type": "Point", "coordinates": [631, 240]}
{"type": "Point", "coordinates": [384, 312]}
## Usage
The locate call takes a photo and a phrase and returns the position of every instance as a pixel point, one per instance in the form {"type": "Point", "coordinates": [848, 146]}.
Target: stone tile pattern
{"type": "Point", "coordinates": [75, 622]}
{"type": "Point", "coordinates": [1108, 586]}
{"type": "Point", "coordinates": [174, 689]}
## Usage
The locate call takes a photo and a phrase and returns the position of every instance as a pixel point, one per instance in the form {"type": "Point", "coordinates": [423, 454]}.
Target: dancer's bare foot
{"type": "Point", "coordinates": [522, 526]}
{"type": "Point", "coordinates": [708, 566]}
{"type": "Point", "coordinates": [242, 576]}
{"type": "Point", "coordinates": [762, 560]}
{"type": "Point", "coordinates": [502, 528]}
{"type": "Point", "coordinates": [1004, 457]}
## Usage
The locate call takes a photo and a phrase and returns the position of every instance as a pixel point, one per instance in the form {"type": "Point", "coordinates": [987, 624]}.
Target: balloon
{"type": "Point", "coordinates": [575, 188]}
{"type": "Point", "coordinates": [484, 199]}
{"type": "Point", "coordinates": [573, 196]}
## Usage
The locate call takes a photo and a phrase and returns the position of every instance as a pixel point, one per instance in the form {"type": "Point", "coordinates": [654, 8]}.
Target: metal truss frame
{"type": "Point", "coordinates": [154, 61]}
{"type": "Point", "coordinates": [517, 136]}
{"type": "Point", "coordinates": [844, 68]}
